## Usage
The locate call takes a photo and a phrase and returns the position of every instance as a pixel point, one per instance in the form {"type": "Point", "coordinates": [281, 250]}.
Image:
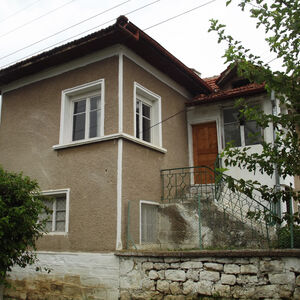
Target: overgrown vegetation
{"type": "Point", "coordinates": [281, 22]}
{"type": "Point", "coordinates": [20, 227]}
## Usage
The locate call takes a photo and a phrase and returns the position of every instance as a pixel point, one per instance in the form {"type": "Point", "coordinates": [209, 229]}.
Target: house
{"type": "Point", "coordinates": [95, 121]}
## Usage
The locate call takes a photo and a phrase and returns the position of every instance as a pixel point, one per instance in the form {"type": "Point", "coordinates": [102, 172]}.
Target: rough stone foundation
{"type": "Point", "coordinates": [249, 274]}
{"type": "Point", "coordinates": [225, 275]}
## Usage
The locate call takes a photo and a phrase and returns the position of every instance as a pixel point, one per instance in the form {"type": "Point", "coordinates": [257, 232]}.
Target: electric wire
{"type": "Point", "coordinates": [85, 20]}
{"type": "Point", "coordinates": [60, 42]}
{"type": "Point", "coordinates": [164, 21]}
{"type": "Point", "coordinates": [17, 12]}
{"type": "Point", "coordinates": [166, 119]}
{"type": "Point", "coordinates": [35, 19]}
{"type": "Point", "coordinates": [179, 15]}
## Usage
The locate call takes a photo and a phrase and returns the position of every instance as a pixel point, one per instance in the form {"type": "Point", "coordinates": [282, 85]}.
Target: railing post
{"type": "Point", "coordinates": [199, 215]}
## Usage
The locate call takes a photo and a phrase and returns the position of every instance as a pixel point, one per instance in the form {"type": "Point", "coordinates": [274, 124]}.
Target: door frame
{"type": "Point", "coordinates": [200, 120]}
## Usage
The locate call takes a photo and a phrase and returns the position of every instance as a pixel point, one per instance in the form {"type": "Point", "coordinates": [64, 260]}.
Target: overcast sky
{"type": "Point", "coordinates": [22, 23]}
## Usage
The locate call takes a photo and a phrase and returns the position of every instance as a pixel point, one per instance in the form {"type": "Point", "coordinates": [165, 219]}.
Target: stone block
{"type": "Point", "coordinates": [132, 281]}
{"type": "Point", "coordinates": [213, 267]}
{"type": "Point", "coordinates": [175, 288]}
{"type": "Point", "coordinates": [242, 292]}
{"type": "Point", "coordinates": [171, 260]}
{"type": "Point", "coordinates": [285, 291]}
{"type": "Point", "coordinates": [249, 269]}
{"type": "Point", "coordinates": [267, 291]}
{"type": "Point", "coordinates": [204, 287]}
{"type": "Point", "coordinates": [191, 265]}
{"type": "Point", "coordinates": [148, 284]}
{"type": "Point", "coordinates": [271, 266]}
{"type": "Point", "coordinates": [221, 290]}
{"type": "Point", "coordinates": [189, 287]}
{"type": "Point", "coordinates": [192, 274]}
{"type": "Point", "coordinates": [126, 266]}
{"type": "Point", "coordinates": [283, 278]}
{"type": "Point", "coordinates": [296, 293]}
{"type": "Point", "coordinates": [249, 279]}
{"type": "Point", "coordinates": [209, 276]}
{"type": "Point", "coordinates": [172, 297]}
{"type": "Point", "coordinates": [231, 268]}
{"type": "Point", "coordinates": [153, 275]}
{"type": "Point", "coordinates": [175, 265]}
{"type": "Point", "coordinates": [160, 266]}
{"type": "Point", "coordinates": [163, 286]}
{"type": "Point", "coordinates": [161, 274]}
{"type": "Point", "coordinates": [228, 279]}
{"type": "Point", "coordinates": [298, 280]}
{"type": "Point", "coordinates": [175, 275]}
{"type": "Point", "coordinates": [291, 264]}
{"type": "Point", "coordinates": [147, 265]}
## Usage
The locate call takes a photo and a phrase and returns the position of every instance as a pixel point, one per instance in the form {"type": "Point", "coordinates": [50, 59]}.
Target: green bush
{"type": "Point", "coordinates": [20, 207]}
{"type": "Point", "coordinates": [284, 237]}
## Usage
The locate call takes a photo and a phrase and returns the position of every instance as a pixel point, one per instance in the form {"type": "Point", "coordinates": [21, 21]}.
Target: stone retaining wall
{"type": "Point", "coordinates": [253, 275]}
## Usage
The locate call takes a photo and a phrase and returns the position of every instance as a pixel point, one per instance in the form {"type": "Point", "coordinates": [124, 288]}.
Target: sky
{"type": "Point", "coordinates": [29, 27]}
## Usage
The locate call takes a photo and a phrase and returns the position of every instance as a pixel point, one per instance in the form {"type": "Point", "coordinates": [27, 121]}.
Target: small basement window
{"type": "Point", "coordinates": [58, 203]}
{"type": "Point", "coordinates": [149, 222]}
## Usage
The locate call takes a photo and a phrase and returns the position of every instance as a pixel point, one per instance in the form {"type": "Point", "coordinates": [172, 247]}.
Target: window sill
{"type": "Point", "coordinates": [108, 138]}
{"type": "Point", "coordinates": [56, 233]}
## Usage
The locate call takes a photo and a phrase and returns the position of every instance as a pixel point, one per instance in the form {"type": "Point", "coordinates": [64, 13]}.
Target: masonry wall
{"type": "Point", "coordinates": [29, 128]}
{"type": "Point", "coordinates": [141, 164]}
{"type": "Point", "coordinates": [160, 275]}
{"type": "Point", "coordinates": [226, 275]}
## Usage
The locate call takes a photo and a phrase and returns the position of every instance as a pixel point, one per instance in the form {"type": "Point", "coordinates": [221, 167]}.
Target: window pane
{"type": "Point", "coordinates": [61, 202]}
{"type": "Point", "coordinates": [49, 225]}
{"type": "Point", "coordinates": [146, 111]}
{"type": "Point", "coordinates": [79, 106]}
{"type": "Point", "coordinates": [146, 130]}
{"type": "Point", "coordinates": [60, 216]}
{"type": "Point", "coordinates": [230, 115]}
{"type": "Point", "coordinates": [95, 102]}
{"type": "Point", "coordinates": [94, 123]}
{"type": "Point", "coordinates": [78, 127]}
{"type": "Point", "coordinates": [60, 226]}
{"type": "Point", "coordinates": [137, 121]}
{"type": "Point", "coordinates": [252, 133]}
{"type": "Point", "coordinates": [148, 222]}
{"type": "Point", "coordinates": [137, 107]}
{"type": "Point", "coordinates": [232, 134]}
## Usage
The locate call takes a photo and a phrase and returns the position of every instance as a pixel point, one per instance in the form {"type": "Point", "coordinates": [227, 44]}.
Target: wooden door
{"type": "Point", "coordinates": [205, 149]}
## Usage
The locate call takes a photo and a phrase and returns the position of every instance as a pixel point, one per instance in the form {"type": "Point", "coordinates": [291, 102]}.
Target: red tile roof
{"type": "Point", "coordinates": [220, 95]}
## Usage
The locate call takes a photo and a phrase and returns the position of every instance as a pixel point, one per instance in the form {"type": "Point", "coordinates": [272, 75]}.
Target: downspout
{"type": "Point", "coordinates": [277, 177]}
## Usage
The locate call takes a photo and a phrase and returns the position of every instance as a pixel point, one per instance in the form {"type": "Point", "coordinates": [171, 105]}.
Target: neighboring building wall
{"type": "Point", "coordinates": [30, 127]}
{"type": "Point", "coordinates": [141, 164]}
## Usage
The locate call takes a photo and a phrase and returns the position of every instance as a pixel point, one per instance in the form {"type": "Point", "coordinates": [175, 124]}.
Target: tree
{"type": "Point", "coordinates": [281, 22]}
{"type": "Point", "coordinates": [20, 227]}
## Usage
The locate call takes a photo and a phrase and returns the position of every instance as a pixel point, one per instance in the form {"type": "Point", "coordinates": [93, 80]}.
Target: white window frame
{"type": "Point", "coordinates": [54, 193]}
{"type": "Point", "coordinates": [151, 99]}
{"type": "Point", "coordinates": [69, 96]}
{"type": "Point", "coordinates": [148, 203]}
{"type": "Point", "coordinates": [242, 130]}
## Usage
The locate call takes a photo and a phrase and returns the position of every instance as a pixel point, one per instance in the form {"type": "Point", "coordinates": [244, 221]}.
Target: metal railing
{"type": "Point", "coordinates": [215, 197]}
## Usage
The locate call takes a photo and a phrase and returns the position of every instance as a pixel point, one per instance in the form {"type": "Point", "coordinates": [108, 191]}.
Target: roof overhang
{"type": "Point", "coordinates": [122, 32]}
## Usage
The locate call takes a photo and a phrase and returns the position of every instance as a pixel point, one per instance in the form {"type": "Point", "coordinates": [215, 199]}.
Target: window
{"type": "Point", "coordinates": [57, 202]}
{"type": "Point", "coordinates": [147, 120]}
{"type": "Point", "coordinates": [239, 131]}
{"type": "Point", "coordinates": [149, 220]}
{"type": "Point", "coordinates": [82, 112]}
